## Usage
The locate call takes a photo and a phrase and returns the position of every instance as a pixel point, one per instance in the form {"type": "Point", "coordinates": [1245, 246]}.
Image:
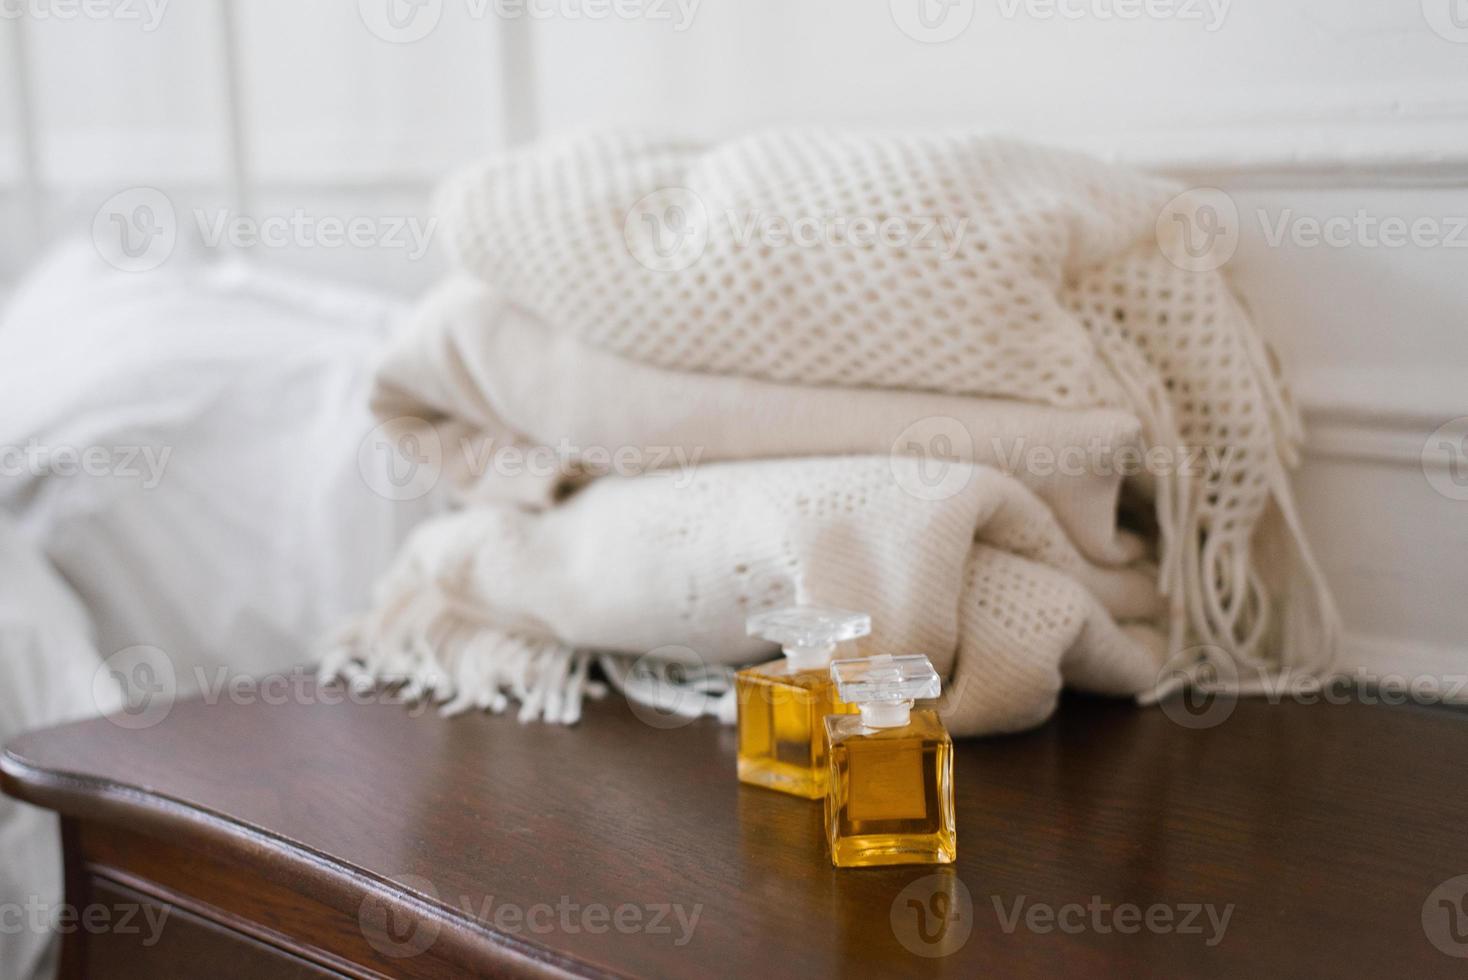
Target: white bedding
{"type": "Point", "coordinates": [230, 516]}
{"type": "Point", "coordinates": [230, 406]}
{"type": "Point", "coordinates": [48, 661]}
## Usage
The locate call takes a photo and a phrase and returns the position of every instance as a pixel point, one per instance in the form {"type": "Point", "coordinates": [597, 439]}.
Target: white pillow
{"type": "Point", "coordinates": [233, 524]}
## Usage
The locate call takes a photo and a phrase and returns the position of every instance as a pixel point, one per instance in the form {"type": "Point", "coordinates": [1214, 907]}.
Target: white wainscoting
{"type": "Point", "coordinates": [1296, 108]}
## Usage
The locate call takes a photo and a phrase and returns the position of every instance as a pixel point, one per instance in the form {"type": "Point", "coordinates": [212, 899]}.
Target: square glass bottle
{"type": "Point", "coordinates": [783, 703]}
{"type": "Point", "coordinates": [889, 798]}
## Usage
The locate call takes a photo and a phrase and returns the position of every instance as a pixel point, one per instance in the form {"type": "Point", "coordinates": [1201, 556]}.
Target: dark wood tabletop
{"type": "Point", "coordinates": [1288, 840]}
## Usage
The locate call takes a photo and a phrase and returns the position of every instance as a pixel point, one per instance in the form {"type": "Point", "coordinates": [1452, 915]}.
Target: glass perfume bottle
{"type": "Point", "coordinates": [783, 703]}
{"type": "Point", "coordinates": [890, 795]}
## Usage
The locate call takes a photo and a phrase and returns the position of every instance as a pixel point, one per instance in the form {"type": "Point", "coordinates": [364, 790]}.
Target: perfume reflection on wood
{"type": "Point", "coordinates": [783, 704]}
{"type": "Point", "coordinates": [890, 793]}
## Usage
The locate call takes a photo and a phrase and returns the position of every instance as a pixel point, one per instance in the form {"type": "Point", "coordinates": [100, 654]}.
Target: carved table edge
{"type": "Point", "coordinates": [315, 874]}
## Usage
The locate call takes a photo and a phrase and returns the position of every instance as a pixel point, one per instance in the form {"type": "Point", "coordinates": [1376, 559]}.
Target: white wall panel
{"type": "Point", "coordinates": [1367, 318]}
{"type": "Point", "coordinates": [12, 166]}
{"type": "Point", "coordinates": [397, 250]}
{"type": "Point", "coordinates": [1396, 553]}
{"type": "Point", "coordinates": [327, 99]}
{"type": "Point", "coordinates": [122, 99]}
{"type": "Point", "coordinates": [19, 202]}
{"type": "Point", "coordinates": [1302, 75]}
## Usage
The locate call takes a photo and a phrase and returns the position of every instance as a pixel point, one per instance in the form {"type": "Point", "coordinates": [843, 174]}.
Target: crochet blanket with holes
{"type": "Point", "coordinates": [860, 340]}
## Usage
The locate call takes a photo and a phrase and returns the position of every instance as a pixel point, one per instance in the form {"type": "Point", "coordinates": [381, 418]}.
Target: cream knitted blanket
{"type": "Point", "coordinates": [920, 377]}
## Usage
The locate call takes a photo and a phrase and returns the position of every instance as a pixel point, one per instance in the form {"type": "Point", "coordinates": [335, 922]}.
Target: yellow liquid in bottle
{"type": "Point", "coordinates": [782, 738]}
{"type": "Point", "coordinates": [891, 793]}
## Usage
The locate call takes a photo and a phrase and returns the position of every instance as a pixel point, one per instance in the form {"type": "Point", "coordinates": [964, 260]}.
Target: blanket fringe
{"type": "Point", "coordinates": [674, 689]}
{"type": "Point", "coordinates": [1218, 601]}
{"type": "Point", "coordinates": [421, 646]}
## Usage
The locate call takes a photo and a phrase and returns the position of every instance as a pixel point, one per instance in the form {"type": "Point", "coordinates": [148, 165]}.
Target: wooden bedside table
{"type": "Point", "coordinates": [311, 840]}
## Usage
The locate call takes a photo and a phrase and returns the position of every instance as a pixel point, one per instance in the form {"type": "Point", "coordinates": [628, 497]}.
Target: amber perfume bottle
{"type": "Point", "coordinates": [890, 793]}
{"type": "Point", "coordinates": [783, 703]}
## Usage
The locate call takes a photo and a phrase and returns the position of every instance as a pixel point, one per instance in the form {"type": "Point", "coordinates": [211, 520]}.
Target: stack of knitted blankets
{"type": "Point", "coordinates": [954, 382]}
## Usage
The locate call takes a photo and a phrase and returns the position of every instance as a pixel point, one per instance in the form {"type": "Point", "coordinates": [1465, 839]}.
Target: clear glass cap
{"type": "Point", "coordinates": [886, 679]}
{"type": "Point", "coordinates": [808, 626]}
{"type": "Point", "coordinates": [808, 634]}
